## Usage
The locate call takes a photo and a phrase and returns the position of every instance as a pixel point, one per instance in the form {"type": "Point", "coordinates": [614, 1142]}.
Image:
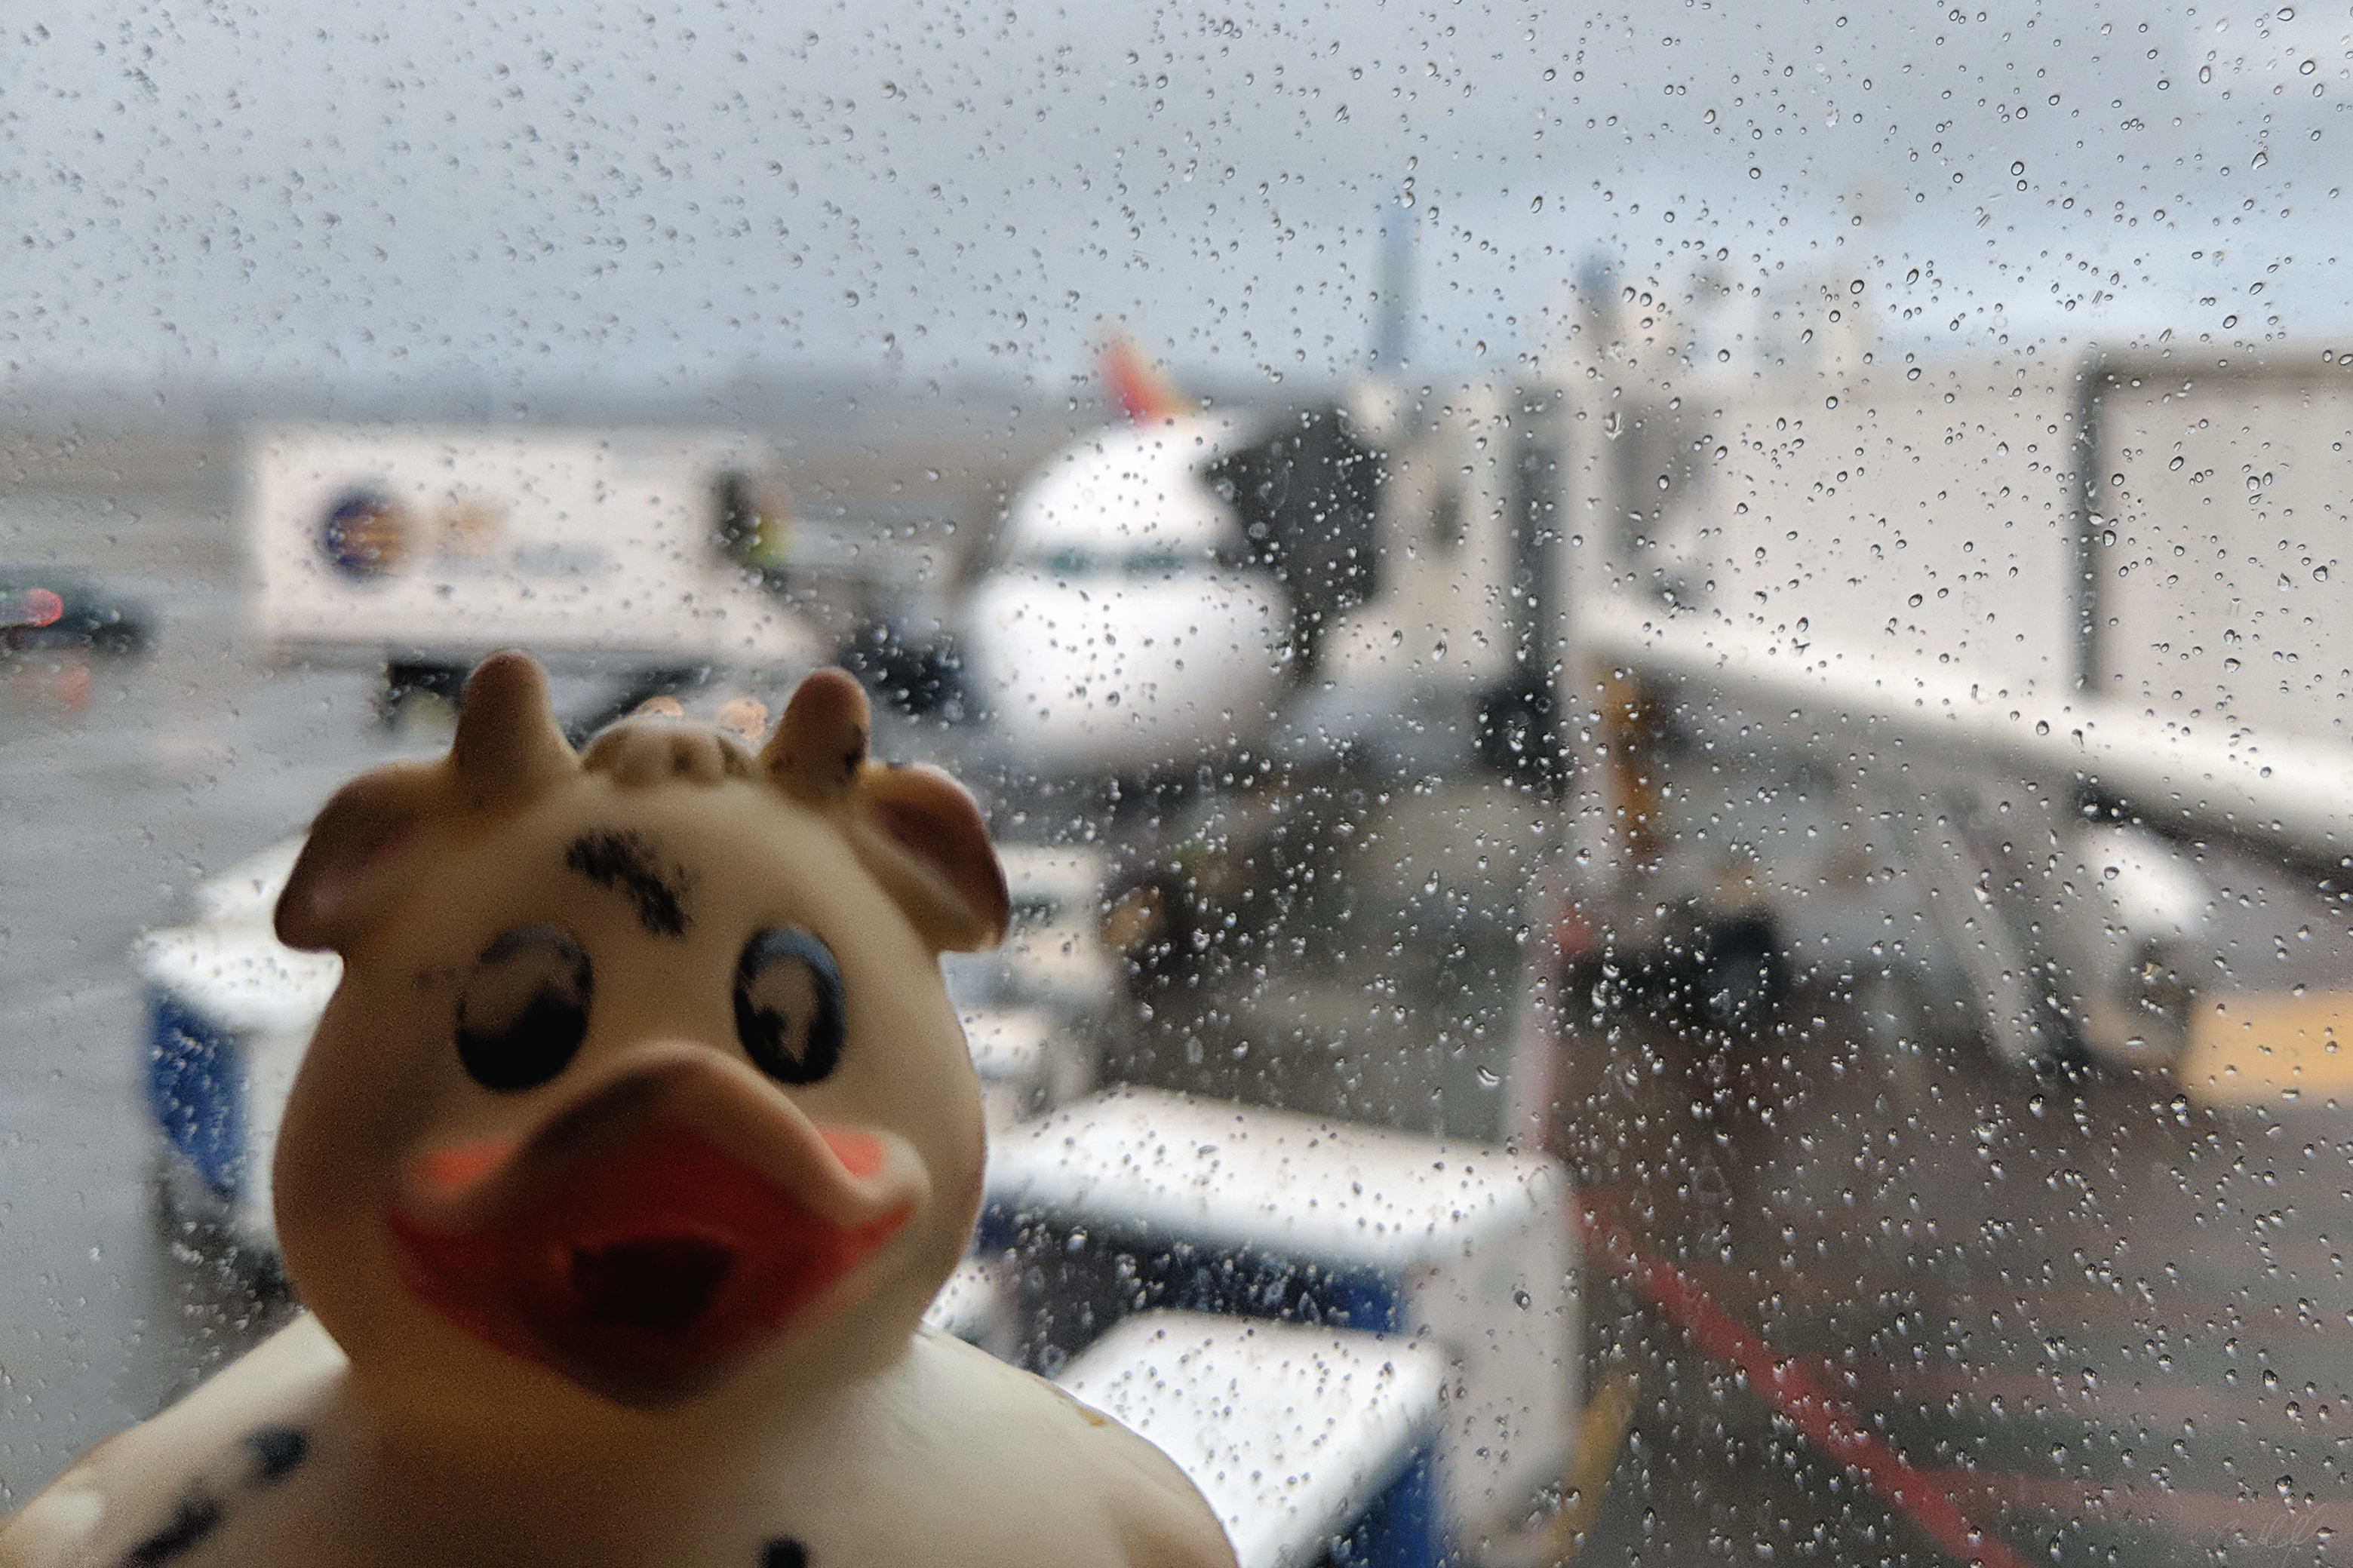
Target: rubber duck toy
{"type": "Point", "coordinates": [633, 1145]}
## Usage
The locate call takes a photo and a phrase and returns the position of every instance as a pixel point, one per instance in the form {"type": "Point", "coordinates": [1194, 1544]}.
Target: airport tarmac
{"type": "Point", "coordinates": [2110, 1325]}
{"type": "Point", "coordinates": [2099, 1321]}
{"type": "Point", "coordinates": [121, 797]}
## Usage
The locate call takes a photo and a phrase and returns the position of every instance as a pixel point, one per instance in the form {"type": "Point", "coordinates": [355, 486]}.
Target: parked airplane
{"type": "Point", "coordinates": [1127, 627]}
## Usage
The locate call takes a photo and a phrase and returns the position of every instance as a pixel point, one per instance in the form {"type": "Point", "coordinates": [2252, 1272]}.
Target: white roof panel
{"type": "Point", "coordinates": [1290, 1432]}
{"type": "Point", "coordinates": [1168, 1164]}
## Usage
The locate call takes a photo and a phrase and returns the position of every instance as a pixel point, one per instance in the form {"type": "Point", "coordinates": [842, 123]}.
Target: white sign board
{"type": "Point", "coordinates": [417, 541]}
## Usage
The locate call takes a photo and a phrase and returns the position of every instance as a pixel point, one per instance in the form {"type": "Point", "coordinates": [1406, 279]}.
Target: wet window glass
{"type": "Point", "coordinates": [1663, 694]}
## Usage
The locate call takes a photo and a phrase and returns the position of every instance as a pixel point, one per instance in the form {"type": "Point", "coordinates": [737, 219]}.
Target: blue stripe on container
{"type": "Point", "coordinates": [1401, 1528]}
{"type": "Point", "coordinates": [195, 1090]}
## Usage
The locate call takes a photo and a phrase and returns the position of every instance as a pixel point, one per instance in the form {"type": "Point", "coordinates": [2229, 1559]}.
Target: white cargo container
{"type": "Point", "coordinates": [1136, 1199]}
{"type": "Point", "coordinates": [607, 549]}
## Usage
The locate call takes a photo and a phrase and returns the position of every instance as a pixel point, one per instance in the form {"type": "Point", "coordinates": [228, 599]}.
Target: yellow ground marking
{"type": "Point", "coordinates": [1600, 1435]}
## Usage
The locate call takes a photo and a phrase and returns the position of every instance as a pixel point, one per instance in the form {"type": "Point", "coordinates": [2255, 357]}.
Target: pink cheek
{"type": "Point", "coordinates": [860, 1154]}
{"type": "Point", "coordinates": [447, 1170]}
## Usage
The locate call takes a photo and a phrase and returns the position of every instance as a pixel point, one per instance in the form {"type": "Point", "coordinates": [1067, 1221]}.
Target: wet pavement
{"type": "Point", "coordinates": [2103, 1322]}
{"type": "Point", "coordinates": [126, 784]}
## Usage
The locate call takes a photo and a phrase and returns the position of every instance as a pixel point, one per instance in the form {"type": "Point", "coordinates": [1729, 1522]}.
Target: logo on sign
{"type": "Point", "coordinates": [364, 534]}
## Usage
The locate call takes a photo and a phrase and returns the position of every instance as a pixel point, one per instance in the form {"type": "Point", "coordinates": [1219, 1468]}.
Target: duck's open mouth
{"type": "Point", "coordinates": [659, 1283]}
{"type": "Point", "coordinates": [641, 1262]}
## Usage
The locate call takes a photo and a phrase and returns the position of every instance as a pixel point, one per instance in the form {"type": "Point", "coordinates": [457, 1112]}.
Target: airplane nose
{"type": "Point", "coordinates": [655, 1230]}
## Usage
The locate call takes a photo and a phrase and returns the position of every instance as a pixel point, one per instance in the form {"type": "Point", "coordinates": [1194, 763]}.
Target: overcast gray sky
{"type": "Point", "coordinates": [661, 190]}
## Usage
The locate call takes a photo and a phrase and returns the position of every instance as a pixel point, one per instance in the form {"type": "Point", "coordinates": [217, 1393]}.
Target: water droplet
{"type": "Point", "coordinates": [1536, 205]}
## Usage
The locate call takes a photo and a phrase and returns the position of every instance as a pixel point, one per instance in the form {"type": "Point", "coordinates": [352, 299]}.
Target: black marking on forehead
{"type": "Point", "coordinates": [783, 1552]}
{"type": "Point", "coordinates": [279, 1450]}
{"type": "Point", "coordinates": [276, 1453]}
{"type": "Point", "coordinates": [622, 861]}
{"type": "Point", "coordinates": [197, 1517]}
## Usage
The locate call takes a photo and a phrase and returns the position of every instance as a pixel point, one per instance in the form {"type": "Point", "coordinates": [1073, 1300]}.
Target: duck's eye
{"type": "Point", "coordinates": [788, 1006]}
{"type": "Point", "coordinates": [524, 1010]}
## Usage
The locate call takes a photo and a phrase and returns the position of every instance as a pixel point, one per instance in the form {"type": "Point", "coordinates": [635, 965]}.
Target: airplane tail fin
{"type": "Point", "coordinates": [1137, 386]}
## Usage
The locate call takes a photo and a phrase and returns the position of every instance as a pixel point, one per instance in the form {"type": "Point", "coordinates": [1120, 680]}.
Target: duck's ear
{"type": "Point", "coordinates": [349, 859]}
{"type": "Point", "coordinates": [923, 840]}
{"type": "Point", "coordinates": [913, 827]}
{"type": "Point", "coordinates": [508, 749]}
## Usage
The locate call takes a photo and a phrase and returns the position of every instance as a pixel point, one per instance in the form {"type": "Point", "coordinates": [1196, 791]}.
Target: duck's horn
{"type": "Point", "coordinates": [507, 745]}
{"type": "Point", "coordinates": [820, 742]}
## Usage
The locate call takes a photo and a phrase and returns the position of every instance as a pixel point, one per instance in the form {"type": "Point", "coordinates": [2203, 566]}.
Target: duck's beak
{"type": "Point", "coordinates": [655, 1231]}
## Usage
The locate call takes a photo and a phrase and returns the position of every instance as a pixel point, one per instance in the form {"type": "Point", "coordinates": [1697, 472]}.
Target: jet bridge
{"type": "Point", "coordinates": [1985, 678]}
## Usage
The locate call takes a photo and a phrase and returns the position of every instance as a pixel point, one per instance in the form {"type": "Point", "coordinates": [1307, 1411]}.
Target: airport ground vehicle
{"type": "Point", "coordinates": [230, 1011]}
{"type": "Point", "coordinates": [642, 558]}
{"type": "Point", "coordinates": [1419, 1263]}
{"type": "Point", "coordinates": [45, 611]}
